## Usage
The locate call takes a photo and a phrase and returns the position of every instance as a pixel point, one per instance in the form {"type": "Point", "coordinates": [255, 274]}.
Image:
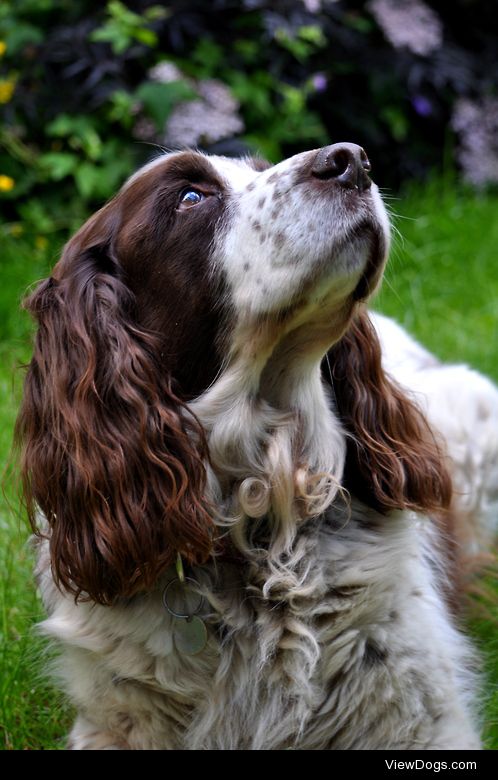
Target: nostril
{"type": "Point", "coordinates": [367, 167]}
{"type": "Point", "coordinates": [337, 165]}
{"type": "Point", "coordinates": [331, 165]}
{"type": "Point", "coordinates": [345, 163]}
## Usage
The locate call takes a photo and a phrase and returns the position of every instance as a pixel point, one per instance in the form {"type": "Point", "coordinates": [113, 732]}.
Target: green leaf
{"type": "Point", "coordinates": [60, 126]}
{"type": "Point", "coordinates": [65, 124]}
{"type": "Point", "coordinates": [89, 141]}
{"type": "Point", "coordinates": [313, 34]}
{"type": "Point", "coordinates": [111, 34]}
{"type": "Point", "coordinates": [98, 182]}
{"type": "Point", "coordinates": [254, 92]}
{"type": "Point", "coordinates": [160, 99]}
{"type": "Point", "coordinates": [117, 164]}
{"type": "Point", "coordinates": [87, 178]}
{"type": "Point", "coordinates": [396, 121]}
{"type": "Point", "coordinates": [20, 34]}
{"type": "Point", "coordinates": [37, 216]}
{"type": "Point", "coordinates": [145, 36]}
{"type": "Point", "coordinates": [248, 50]}
{"type": "Point", "coordinates": [294, 99]}
{"type": "Point", "coordinates": [299, 49]}
{"type": "Point", "coordinates": [206, 59]}
{"type": "Point", "coordinates": [121, 108]}
{"type": "Point", "coordinates": [357, 22]}
{"type": "Point", "coordinates": [156, 13]}
{"type": "Point", "coordinates": [124, 26]}
{"type": "Point", "coordinates": [58, 165]}
{"type": "Point", "coordinates": [80, 132]}
{"type": "Point", "coordinates": [266, 147]}
{"type": "Point", "coordinates": [121, 13]}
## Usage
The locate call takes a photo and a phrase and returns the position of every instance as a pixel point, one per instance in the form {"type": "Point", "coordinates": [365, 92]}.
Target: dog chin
{"type": "Point", "coordinates": [373, 270]}
{"type": "Point", "coordinates": [360, 258]}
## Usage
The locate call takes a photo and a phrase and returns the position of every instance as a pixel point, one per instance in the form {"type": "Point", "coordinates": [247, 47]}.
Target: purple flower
{"type": "Point", "coordinates": [422, 105]}
{"type": "Point", "coordinates": [319, 82]}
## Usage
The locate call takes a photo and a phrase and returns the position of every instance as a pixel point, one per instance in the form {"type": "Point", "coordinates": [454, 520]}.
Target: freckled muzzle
{"type": "Point", "coordinates": [311, 225]}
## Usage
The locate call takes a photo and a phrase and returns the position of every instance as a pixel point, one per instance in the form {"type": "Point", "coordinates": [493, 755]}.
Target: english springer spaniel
{"type": "Point", "coordinates": [247, 532]}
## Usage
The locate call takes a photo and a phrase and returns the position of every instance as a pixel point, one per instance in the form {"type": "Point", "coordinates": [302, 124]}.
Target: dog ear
{"type": "Point", "coordinates": [393, 460]}
{"type": "Point", "coordinates": [110, 455]}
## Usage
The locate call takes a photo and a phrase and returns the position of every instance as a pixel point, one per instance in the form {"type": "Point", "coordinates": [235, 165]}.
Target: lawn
{"type": "Point", "coordinates": [442, 284]}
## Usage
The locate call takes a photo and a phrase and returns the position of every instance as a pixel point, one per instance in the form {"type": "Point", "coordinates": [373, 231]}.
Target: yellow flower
{"type": "Point", "coordinates": [7, 87]}
{"type": "Point", "coordinates": [6, 183]}
{"type": "Point", "coordinates": [16, 230]}
{"type": "Point", "coordinates": [41, 242]}
{"type": "Point", "coordinates": [3, 48]}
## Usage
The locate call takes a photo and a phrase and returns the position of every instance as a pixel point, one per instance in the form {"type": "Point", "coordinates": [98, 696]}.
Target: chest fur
{"type": "Point", "coordinates": [289, 657]}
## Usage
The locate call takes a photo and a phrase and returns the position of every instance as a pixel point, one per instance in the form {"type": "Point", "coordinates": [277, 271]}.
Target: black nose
{"type": "Point", "coordinates": [348, 164]}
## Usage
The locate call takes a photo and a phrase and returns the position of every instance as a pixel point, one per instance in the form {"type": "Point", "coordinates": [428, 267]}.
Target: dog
{"type": "Point", "coordinates": [243, 484]}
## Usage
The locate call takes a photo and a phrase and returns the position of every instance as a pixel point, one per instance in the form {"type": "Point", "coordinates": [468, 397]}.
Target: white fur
{"type": "Point", "coordinates": [334, 633]}
{"type": "Point", "coordinates": [462, 405]}
{"type": "Point", "coordinates": [355, 651]}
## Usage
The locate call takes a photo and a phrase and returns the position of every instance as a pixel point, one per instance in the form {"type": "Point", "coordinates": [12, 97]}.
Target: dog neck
{"type": "Point", "coordinates": [275, 461]}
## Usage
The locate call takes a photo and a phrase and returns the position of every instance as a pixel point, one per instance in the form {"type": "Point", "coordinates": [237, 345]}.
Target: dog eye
{"type": "Point", "coordinates": [191, 198]}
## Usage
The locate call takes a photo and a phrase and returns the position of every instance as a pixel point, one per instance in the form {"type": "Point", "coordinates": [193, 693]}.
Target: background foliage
{"type": "Point", "coordinates": [80, 80]}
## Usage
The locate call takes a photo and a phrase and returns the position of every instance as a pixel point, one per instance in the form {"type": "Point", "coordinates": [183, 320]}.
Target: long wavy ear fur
{"type": "Point", "coordinates": [110, 455]}
{"type": "Point", "coordinates": [393, 459]}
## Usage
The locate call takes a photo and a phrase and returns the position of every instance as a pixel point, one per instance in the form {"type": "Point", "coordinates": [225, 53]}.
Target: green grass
{"type": "Point", "coordinates": [442, 278]}
{"type": "Point", "coordinates": [442, 284]}
{"type": "Point", "coordinates": [32, 715]}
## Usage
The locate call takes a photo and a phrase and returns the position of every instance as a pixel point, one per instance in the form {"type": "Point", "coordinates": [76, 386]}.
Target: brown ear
{"type": "Point", "coordinates": [109, 454]}
{"type": "Point", "coordinates": [393, 460]}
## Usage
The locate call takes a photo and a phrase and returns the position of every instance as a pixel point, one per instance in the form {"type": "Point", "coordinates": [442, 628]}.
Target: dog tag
{"type": "Point", "coordinates": [180, 599]}
{"type": "Point", "coordinates": [189, 635]}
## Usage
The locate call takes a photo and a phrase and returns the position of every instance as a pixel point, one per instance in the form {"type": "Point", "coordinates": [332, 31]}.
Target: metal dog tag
{"type": "Point", "coordinates": [189, 635]}
{"type": "Point", "coordinates": [183, 602]}
{"type": "Point", "coordinates": [180, 599]}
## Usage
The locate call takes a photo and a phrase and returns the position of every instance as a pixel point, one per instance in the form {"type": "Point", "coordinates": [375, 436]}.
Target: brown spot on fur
{"type": "Point", "coordinates": [261, 202]}
{"type": "Point", "coordinates": [456, 534]}
{"type": "Point", "coordinates": [259, 164]}
{"type": "Point", "coordinates": [482, 411]}
{"type": "Point", "coordinates": [279, 240]}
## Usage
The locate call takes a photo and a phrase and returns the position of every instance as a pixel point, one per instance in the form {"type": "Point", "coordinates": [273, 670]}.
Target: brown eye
{"type": "Point", "coordinates": [191, 198]}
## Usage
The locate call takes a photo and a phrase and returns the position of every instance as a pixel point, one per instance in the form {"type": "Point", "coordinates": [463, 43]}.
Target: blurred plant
{"type": "Point", "coordinates": [83, 85]}
{"type": "Point", "coordinates": [476, 123]}
{"type": "Point", "coordinates": [409, 23]}
{"type": "Point", "coordinates": [211, 118]}
{"type": "Point", "coordinates": [74, 158]}
{"type": "Point", "coordinates": [123, 27]}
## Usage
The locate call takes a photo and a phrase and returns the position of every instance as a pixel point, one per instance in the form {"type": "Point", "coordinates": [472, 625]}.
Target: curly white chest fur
{"type": "Point", "coordinates": [359, 654]}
